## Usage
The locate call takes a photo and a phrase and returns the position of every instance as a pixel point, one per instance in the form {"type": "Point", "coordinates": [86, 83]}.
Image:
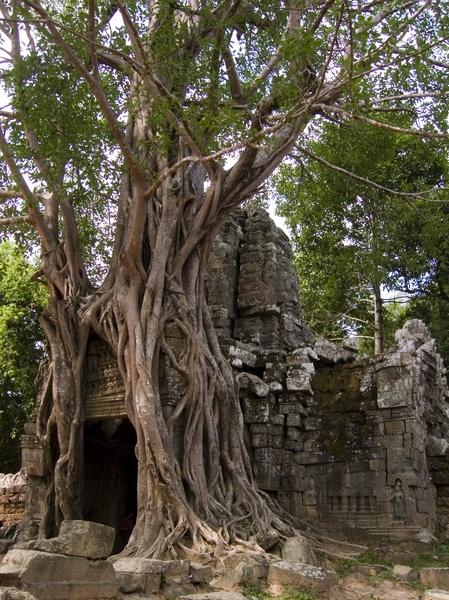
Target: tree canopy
{"type": "Point", "coordinates": [131, 132]}
{"type": "Point", "coordinates": [365, 208]}
{"type": "Point", "coordinates": [21, 349]}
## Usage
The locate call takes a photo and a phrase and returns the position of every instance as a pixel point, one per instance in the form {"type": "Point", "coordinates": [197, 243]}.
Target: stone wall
{"type": "Point", "coordinates": [12, 501]}
{"type": "Point", "coordinates": [357, 445]}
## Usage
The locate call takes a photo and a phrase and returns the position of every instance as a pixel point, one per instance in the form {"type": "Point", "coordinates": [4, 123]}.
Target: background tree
{"type": "Point", "coordinates": [117, 138]}
{"type": "Point", "coordinates": [21, 349]}
{"type": "Point", "coordinates": [353, 198]}
{"type": "Point", "coordinates": [421, 271]}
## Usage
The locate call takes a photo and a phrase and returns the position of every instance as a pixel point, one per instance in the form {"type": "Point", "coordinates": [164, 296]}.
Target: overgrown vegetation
{"type": "Point", "coordinates": [21, 349]}
{"type": "Point", "coordinates": [251, 591]}
{"type": "Point", "coordinates": [367, 210]}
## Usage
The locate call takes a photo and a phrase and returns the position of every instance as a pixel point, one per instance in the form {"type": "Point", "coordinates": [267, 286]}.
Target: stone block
{"type": "Point", "coordinates": [435, 595]}
{"type": "Point", "coordinates": [254, 384]}
{"type": "Point", "coordinates": [294, 420]}
{"type": "Point", "coordinates": [299, 381]}
{"type": "Point", "coordinates": [404, 572]}
{"type": "Point", "coordinates": [175, 568]}
{"type": "Point", "coordinates": [261, 440]}
{"type": "Point", "coordinates": [294, 434]}
{"type": "Point", "coordinates": [240, 576]}
{"type": "Point", "coordinates": [394, 427]}
{"type": "Point", "coordinates": [285, 574]}
{"type": "Point", "coordinates": [277, 441]}
{"type": "Point", "coordinates": [199, 573]}
{"type": "Point", "coordinates": [258, 563]}
{"type": "Point", "coordinates": [130, 583]}
{"type": "Point", "coordinates": [326, 351]}
{"type": "Point", "coordinates": [10, 593]}
{"type": "Point", "coordinates": [287, 408]}
{"type": "Point", "coordinates": [256, 410]}
{"type": "Point", "coordinates": [298, 550]}
{"type": "Point", "coordinates": [222, 595]}
{"type": "Point", "coordinates": [80, 538]}
{"type": "Point", "coordinates": [58, 577]}
{"type": "Point", "coordinates": [33, 457]}
{"type": "Point", "coordinates": [278, 419]}
{"type": "Point", "coordinates": [435, 577]}
{"type": "Point", "coordinates": [260, 428]}
{"type": "Point", "coordinates": [141, 574]}
{"type": "Point", "coordinates": [399, 460]}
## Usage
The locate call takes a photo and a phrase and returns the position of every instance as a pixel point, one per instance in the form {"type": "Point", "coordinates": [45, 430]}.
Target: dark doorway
{"type": "Point", "coordinates": [110, 467]}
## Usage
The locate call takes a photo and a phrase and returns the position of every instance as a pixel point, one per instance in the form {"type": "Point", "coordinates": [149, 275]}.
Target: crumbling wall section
{"type": "Point", "coordinates": [12, 501]}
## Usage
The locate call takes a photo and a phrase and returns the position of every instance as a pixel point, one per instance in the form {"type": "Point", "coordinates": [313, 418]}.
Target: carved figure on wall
{"type": "Point", "coordinates": [398, 501]}
{"type": "Point", "coordinates": [310, 498]}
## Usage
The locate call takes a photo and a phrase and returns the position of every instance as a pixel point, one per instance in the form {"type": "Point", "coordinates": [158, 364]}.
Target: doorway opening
{"type": "Point", "coordinates": [110, 468]}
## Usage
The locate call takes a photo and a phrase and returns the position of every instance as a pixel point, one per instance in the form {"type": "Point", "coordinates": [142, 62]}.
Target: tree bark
{"type": "Point", "coordinates": [191, 499]}
{"type": "Point", "coordinates": [378, 321]}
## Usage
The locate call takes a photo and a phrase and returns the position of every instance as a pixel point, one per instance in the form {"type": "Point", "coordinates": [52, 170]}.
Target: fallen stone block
{"type": "Point", "coordinates": [139, 575]}
{"type": "Point", "coordinates": [298, 550]}
{"type": "Point", "coordinates": [403, 572]}
{"type": "Point", "coordinates": [435, 595]}
{"type": "Point", "coordinates": [435, 577]}
{"type": "Point", "coordinates": [176, 569]}
{"type": "Point", "coordinates": [199, 573]}
{"type": "Point", "coordinates": [284, 574]}
{"type": "Point", "coordinates": [258, 563]}
{"type": "Point", "coordinates": [214, 596]}
{"type": "Point", "coordinates": [80, 538]}
{"type": "Point", "coordinates": [243, 574]}
{"type": "Point", "coordinates": [58, 577]}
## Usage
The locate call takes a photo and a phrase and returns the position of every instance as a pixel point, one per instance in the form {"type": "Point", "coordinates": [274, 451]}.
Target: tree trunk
{"type": "Point", "coordinates": [196, 495]}
{"type": "Point", "coordinates": [378, 321]}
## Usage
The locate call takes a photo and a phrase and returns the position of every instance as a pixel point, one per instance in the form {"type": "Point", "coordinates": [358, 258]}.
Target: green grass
{"type": "Point", "coordinates": [251, 591]}
{"type": "Point", "coordinates": [344, 566]}
{"type": "Point", "coordinates": [438, 557]}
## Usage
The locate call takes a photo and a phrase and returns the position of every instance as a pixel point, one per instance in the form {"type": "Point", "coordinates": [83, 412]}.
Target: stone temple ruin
{"type": "Point", "coordinates": [359, 445]}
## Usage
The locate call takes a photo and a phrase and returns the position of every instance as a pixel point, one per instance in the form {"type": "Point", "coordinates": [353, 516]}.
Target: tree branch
{"type": "Point", "coordinates": [92, 38]}
{"type": "Point", "coordinates": [370, 182]}
{"type": "Point", "coordinates": [5, 222]}
{"type": "Point", "coordinates": [95, 87]}
{"type": "Point", "coordinates": [5, 194]}
{"type": "Point", "coordinates": [417, 132]}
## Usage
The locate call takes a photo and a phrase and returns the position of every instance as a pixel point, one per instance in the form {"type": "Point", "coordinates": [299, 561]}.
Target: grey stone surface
{"type": "Point", "coordinates": [435, 577]}
{"type": "Point", "coordinates": [58, 577]}
{"type": "Point", "coordinates": [435, 595]}
{"type": "Point", "coordinates": [258, 563]}
{"type": "Point", "coordinates": [243, 574]}
{"type": "Point", "coordinates": [199, 573]}
{"type": "Point", "coordinates": [297, 549]}
{"type": "Point", "coordinates": [223, 595]}
{"type": "Point", "coordinates": [10, 593]}
{"type": "Point", "coordinates": [285, 574]}
{"type": "Point", "coordinates": [404, 572]}
{"type": "Point", "coordinates": [80, 538]}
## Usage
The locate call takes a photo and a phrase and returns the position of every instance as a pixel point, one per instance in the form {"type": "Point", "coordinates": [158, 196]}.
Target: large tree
{"type": "Point", "coordinates": [138, 128]}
